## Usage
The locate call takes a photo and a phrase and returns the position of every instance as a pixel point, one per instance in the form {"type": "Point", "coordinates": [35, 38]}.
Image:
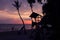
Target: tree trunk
{"type": "Point", "coordinates": [21, 18]}
{"type": "Point", "coordinates": [31, 7]}
{"type": "Point", "coordinates": [22, 22]}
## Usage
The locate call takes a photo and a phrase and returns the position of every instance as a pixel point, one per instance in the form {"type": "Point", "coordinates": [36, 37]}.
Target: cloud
{"type": "Point", "coordinates": [9, 18]}
{"type": "Point", "coordinates": [9, 14]}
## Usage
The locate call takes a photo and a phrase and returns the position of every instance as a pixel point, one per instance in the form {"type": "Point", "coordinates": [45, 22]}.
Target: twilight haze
{"type": "Point", "coordinates": [9, 15]}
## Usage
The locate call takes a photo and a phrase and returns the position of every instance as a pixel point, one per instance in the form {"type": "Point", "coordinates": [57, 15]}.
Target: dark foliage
{"type": "Point", "coordinates": [17, 5]}
{"type": "Point", "coordinates": [40, 1]}
{"type": "Point", "coordinates": [31, 1]}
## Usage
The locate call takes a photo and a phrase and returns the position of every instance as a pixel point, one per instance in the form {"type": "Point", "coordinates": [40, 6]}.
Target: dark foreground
{"type": "Point", "coordinates": [16, 35]}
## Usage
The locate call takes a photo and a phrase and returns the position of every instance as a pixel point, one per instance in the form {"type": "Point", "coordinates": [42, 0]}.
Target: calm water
{"type": "Point", "coordinates": [8, 27]}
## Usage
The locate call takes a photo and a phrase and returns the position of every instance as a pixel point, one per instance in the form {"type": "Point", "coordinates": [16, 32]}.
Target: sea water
{"type": "Point", "coordinates": [16, 27]}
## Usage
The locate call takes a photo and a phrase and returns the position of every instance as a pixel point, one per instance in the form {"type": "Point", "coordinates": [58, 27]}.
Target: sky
{"type": "Point", "coordinates": [9, 15]}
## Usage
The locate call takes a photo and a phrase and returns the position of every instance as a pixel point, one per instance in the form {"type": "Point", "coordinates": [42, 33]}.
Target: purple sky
{"type": "Point", "coordinates": [9, 15]}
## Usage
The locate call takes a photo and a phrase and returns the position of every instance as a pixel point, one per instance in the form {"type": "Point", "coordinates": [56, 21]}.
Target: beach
{"type": "Point", "coordinates": [20, 35]}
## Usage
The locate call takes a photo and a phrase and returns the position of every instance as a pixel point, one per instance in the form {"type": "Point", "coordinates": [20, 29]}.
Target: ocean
{"type": "Point", "coordinates": [16, 27]}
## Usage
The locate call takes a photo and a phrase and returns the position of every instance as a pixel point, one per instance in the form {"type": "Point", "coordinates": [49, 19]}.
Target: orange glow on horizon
{"type": "Point", "coordinates": [27, 21]}
{"type": "Point", "coordinates": [13, 17]}
{"type": "Point", "coordinates": [20, 22]}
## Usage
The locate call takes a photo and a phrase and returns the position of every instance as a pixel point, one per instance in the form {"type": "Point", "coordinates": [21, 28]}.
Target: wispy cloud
{"type": "Point", "coordinates": [8, 14]}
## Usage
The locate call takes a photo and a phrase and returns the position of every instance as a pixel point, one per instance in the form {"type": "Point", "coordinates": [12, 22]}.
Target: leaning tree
{"type": "Point", "coordinates": [31, 3]}
{"type": "Point", "coordinates": [17, 6]}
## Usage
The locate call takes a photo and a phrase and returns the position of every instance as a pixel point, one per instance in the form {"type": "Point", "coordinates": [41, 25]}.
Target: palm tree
{"type": "Point", "coordinates": [30, 2]}
{"type": "Point", "coordinates": [17, 6]}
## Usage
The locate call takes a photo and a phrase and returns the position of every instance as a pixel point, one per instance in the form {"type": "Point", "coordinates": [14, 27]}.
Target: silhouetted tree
{"type": "Point", "coordinates": [31, 3]}
{"type": "Point", "coordinates": [17, 6]}
{"type": "Point", "coordinates": [39, 1]}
